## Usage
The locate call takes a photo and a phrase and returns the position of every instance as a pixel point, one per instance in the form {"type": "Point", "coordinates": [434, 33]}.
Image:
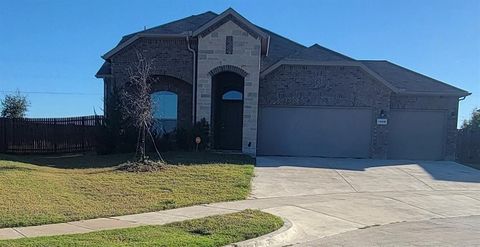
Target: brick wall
{"type": "Point", "coordinates": [170, 57]}
{"type": "Point", "coordinates": [448, 104]}
{"type": "Point", "coordinates": [336, 86]}
{"type": "Point", "coordinates": [172, 70]}
{"type": "Point", "coordinates": [349, 86]}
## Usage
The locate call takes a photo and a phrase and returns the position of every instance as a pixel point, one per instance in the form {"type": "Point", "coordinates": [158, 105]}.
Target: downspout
{"type": "Point", "coordinates": [194, 79]}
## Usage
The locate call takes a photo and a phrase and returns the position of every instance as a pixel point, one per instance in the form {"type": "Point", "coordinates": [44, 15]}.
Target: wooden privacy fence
{"type": "Point", "coordinates": [48, 135]}
{"type": "Point", "coordinates": [468, 145]}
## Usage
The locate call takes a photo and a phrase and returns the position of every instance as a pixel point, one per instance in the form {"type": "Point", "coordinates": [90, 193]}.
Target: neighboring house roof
{"type": "Point", "coordinates": [284, 51]}
{"type": "Point", "coordinates": [409, 81]}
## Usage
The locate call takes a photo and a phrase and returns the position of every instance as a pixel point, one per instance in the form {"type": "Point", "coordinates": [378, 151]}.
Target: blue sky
{"type": "Point", "coordinates": [55, 46]}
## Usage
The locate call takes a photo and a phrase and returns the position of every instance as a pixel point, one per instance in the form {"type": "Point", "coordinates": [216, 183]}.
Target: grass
{"type": "Point", "coordinates": [210, 231]}
{"type": "Point", "coordinates": [39, 190]}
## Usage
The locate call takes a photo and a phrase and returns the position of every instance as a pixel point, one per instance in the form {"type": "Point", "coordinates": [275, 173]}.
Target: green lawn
{"type": "Point", "coordinates": [210, 231]}
{"type": "Point", "coordinates": [39, 190]}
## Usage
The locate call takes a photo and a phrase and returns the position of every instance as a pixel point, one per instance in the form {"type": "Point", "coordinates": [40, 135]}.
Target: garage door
{"type": "Point", "coordinates": [416, 135]}
{"type": "Point", "coordinates": [314, 131]}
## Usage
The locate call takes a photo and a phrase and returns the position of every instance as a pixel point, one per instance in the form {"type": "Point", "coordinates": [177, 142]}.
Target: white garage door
{"type": "Point", "coordinates": [416, 135]}
{"type": "Point", "coordinates": [314, 131]}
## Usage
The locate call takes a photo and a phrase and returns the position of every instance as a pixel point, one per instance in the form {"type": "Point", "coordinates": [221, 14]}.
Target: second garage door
{"type": "Point", "coordinates": [416, 135]}
{"type": "Point", "coordinates": [314, 131]}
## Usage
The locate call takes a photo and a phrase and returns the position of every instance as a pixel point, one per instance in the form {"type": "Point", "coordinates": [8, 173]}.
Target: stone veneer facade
{"type": "Point", "coordinates": [245, 57]}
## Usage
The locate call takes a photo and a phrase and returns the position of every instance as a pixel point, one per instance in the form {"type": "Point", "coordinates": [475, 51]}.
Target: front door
{"type": "Point", "coordinates": [229, 124]}
{"type": "Point", "coordinates": [228, 111]}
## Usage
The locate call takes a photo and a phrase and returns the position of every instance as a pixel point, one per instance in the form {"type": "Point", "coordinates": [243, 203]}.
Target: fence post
{"type": "Point", "coordinates": [55, 135]}
{"type": "Point", "coordinates": [83, 134]}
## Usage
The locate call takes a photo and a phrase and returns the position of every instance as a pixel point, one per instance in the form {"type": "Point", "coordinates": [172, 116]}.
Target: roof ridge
{"type": "Point", "coordinates": [179, 20]}
{"type": "Point", "coordinates": [316, 45]}
{"type": "Point", "coordinates": [372, 60]}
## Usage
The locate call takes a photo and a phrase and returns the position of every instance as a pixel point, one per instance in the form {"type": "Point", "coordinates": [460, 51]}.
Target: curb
{"type": "Point", "coordinates": [282, 235]}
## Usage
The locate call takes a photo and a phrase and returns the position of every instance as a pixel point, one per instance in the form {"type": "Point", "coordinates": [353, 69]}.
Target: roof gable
{"type": "Point", "coordinates": [230, 15]}
{"type": "Point", "coordinates": [191, 24]}
{"type": "Point", "coordinates": [178, 28]}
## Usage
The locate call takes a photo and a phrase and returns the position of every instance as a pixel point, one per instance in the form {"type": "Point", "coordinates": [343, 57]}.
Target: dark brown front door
{"type": "Point", "coordinates": [227, 111]}
{"type": "Point", "coordinates": [229, 125]}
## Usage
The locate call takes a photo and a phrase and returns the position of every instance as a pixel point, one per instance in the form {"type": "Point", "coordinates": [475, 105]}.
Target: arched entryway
{"type": "Point", "coordinates": [227, 110]}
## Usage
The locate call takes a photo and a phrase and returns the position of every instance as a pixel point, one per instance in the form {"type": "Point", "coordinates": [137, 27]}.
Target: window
{"type": "Point", "coordinates": [229, 45]}
{"type": "Point", "coordinates": [164, 111]}
{"type": "Point", "coordinates": [232, 95]}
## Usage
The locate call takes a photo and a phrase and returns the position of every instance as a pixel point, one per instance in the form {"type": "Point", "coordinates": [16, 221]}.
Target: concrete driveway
{"type": "Point", "coordinates": [326, 197]}
{"type": "Point", "coordinates": [292, 176]}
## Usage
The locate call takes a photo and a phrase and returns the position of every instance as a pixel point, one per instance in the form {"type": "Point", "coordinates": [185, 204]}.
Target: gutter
{"type": "Point", "coordinates": [461, 96]}
{"type": "Point", "coordinates": [194, 79]}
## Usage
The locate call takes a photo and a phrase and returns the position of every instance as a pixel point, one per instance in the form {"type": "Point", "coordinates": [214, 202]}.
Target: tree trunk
{"type": "Point", "coordinates": [142, 144]}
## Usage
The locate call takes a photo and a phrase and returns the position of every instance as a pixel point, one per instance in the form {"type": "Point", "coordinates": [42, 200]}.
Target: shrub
{"type": "Point", "coordinates": [163, 142]}
{"type": "Point", "coordinates": [185, 138]}
{"type": "Point", "coordinates": [114, 135]}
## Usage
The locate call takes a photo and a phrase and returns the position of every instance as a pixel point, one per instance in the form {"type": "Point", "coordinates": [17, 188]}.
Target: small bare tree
{"type": "Point", "coordinates": [135, 101]}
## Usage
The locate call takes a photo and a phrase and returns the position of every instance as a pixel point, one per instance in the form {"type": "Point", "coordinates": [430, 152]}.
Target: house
{"type": "Point", "coordinates": [264, 94]}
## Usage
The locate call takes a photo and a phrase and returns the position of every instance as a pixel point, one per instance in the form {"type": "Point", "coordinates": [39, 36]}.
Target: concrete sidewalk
{"type": "Point", "coordinates": [134, 220]}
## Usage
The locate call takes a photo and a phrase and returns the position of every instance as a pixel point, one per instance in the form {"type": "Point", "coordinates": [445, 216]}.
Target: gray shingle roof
{"type": "Point", "coordinates": [408, 80]}
{"type": "Point", "coordinates": [105, 70]}
{"type": "Point", "coordinates": [187, 24]}
{"type": "Point", "coordinates": [283, 48]}
{"type": "Point", "coordinates": [318, 53]}
{"type": "Point", "coordinates": [279, 48]}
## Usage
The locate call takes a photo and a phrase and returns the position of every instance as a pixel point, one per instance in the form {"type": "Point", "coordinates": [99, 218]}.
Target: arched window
{"type": "Point", "coordinates": [164, 111]}
{"type": "Point", "coordinates": [232, 95]}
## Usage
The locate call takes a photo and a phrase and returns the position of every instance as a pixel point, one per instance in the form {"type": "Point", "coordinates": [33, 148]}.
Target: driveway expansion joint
{"type": "Point", "coordinates": [471, 197]}
{"type": "Point", "coordinates": [329, 215]}
{"type": "Point", "coordinates": [415, 206]}
{"type": "Point", "coordinates": [415, 177]}
{"type": "Point", "coordinates": [346, 181]}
